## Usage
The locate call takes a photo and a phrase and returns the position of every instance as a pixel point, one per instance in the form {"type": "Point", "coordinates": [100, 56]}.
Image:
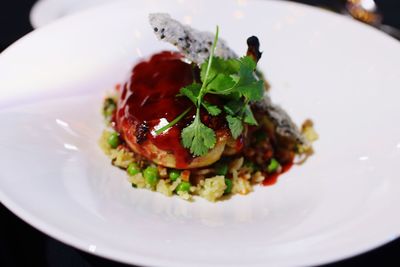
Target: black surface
{"type": "Point", "coordinates": [23, 245]}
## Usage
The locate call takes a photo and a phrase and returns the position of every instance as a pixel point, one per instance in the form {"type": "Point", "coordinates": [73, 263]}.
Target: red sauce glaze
{"type": "Point", "coordinates": [150, 95]}
{"type": "Point", "coordinates": [239, 144]}
{"type": "Point", "coordinates": [271, 179]}
{"type": "Point", "coordinates": [149, 98]}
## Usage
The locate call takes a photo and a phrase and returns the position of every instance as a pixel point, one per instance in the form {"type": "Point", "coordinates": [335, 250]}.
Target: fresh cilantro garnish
{"type": "Point", "coordinates": [231, 79]}
{"type": "Point", "coordinates": [198, 137]}
{"type": "Point", "coordinates": [214, 110]}
{"type": "Point", "coordinates": [235, 125]}
{"type": "Point", "coordinates": [234, 79]}
{"type": "Point", "coordinates": [192, 92]}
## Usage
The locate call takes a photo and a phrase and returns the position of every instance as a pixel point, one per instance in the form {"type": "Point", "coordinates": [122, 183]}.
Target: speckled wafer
{"type": "Point", "coordinates": [194, 44]}
{"type": "Point", "coordinates": [284, 124]}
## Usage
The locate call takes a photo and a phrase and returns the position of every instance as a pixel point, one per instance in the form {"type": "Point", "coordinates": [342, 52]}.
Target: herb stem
{"type": "Point", "coordinates": [246, 102]}
{"type": "Point", "coordinates": [201, 93]}
{"type": "Point", "coordinates": [172, 123]}
{"type": "Point", "coordinates": [202, 89]}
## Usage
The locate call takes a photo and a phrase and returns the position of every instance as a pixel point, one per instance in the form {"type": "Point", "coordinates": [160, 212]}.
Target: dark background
{"type": "Point", "coordinates": [22, 245]}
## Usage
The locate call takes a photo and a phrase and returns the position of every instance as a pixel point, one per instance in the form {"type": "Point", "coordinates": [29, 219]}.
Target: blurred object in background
{"type": "Point", "coordinates": [365, 11]}
{"type": "Point", "coordinates": [382, 14]}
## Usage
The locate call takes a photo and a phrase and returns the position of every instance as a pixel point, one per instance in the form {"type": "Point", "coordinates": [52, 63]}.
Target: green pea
{"type": "Point", "coordinates": [174, 175]}
{"type": "Point", "coordinates": [133, 169]}
{"type": "Point", "coordinates": [221, 168]}
{"type": "Point", "coordinates": [183, 186]}
{"type": "Point", "coordinates": [229, 185]}
{"type": "Point", "coordinates": [273, 166]}
{"type": "Point", "coordinates": [113, 140]}
{"type": "Point", "coordinates": [151, 175]}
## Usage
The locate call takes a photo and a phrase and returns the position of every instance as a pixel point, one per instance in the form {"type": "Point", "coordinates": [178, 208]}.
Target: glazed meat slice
{"type": "Point", "coordinates": [148, 102]}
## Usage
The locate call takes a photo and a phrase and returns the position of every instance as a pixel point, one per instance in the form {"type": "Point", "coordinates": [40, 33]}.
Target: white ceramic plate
{"type": "Point", "coordinates": [342, 202]}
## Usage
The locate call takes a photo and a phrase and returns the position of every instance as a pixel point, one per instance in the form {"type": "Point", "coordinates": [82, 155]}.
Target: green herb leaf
{"type": "Point", "coordinates": [235, 125]}
{"type": "Point", "coordinates": [191, 91]}
{"type": "Point", "coordinates": [212, 109]}
{"type": "Point", "coordinates": [252, 91]}
{"type": "Point", "coordinates": [248, 85]}
{"type": "Point", "coordinates": [248, 63]}
{"type": "Point", "coordinates": [233, 77]}
{"type": "Point", "coordinates": [221, 84]}
{"type": "Point", "coordinates": [220, 66]}
{"type": "Point", "coordinates": [235, 81]}
{"type": "Point", "coordinates": [198, 138]}
{"type": "Point", "coordinates": [249, 117]}
{"type": "Point", "coordinates": [233, 107]}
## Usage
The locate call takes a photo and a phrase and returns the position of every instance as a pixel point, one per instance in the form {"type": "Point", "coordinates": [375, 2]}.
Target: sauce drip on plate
{"type": "Point", "coordinates": [271, 179]}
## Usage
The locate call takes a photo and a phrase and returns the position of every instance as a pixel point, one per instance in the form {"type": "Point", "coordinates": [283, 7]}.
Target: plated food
{"type": "Point", "coordinates": [199, 121]}
{"type": "Point", "coordinates": [68, 189]}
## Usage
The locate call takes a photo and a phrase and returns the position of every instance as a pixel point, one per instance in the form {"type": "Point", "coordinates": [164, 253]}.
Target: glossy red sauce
{"type": "Point", "coordinates": [149, 99]}
{"type": "Point", "coordinates": [271, 179]}
{"type": "Point", "coordinates": [153, 86]}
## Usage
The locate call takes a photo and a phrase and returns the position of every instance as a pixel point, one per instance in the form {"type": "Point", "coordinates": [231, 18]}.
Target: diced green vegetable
{"type": "Point", "coordinates": [151, 175]}
{"type": "Point", "coordinates": [133, 169]}
{"type": "Point", "coordinates": [109, 107]}
{"type": "Point", "coordinates": [174, 175]}
{"type": "Point", "coordinates": [251, 165]}
{"type": "Point", "coordinates": [113, 140]}
{"type": "Point", "coordinates": [221, 168]}
{"type": "Point", "coordinates": [273, 166]}
{"type": "Point", "coordinates": [183, 186]}
{"type": "Point", "coordinates": [229, 185]}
